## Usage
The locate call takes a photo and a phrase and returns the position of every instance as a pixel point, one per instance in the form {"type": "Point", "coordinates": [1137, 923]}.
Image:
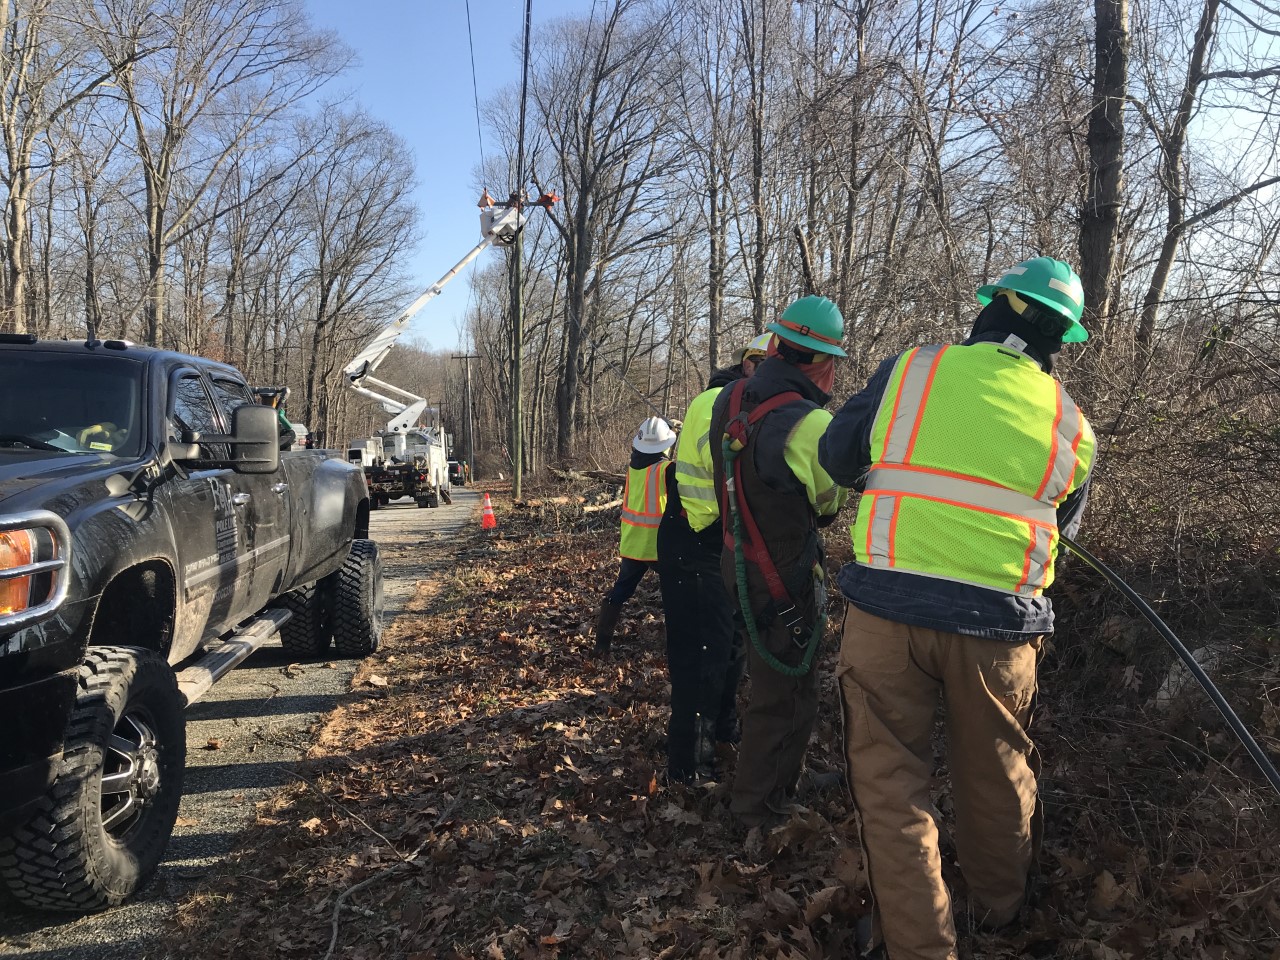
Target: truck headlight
{"type": "Point", "coordinates": [34, 552]}
{"type": "Point", "coordinates": [17, 547]}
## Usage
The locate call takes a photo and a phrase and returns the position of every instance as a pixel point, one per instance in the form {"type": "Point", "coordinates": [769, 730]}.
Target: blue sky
{"type": "Point", "coordinates": [414, 73]}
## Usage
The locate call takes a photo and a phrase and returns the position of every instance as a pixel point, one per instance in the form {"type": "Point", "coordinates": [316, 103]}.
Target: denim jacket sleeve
{"type": "Point", "coordinates": [845, 449]}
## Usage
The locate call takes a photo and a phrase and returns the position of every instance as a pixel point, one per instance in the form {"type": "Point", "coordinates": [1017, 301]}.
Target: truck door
{"type": "Point", "coordinates": [264, 509]}
{"type": "Point", "coordinates": [208, 530]}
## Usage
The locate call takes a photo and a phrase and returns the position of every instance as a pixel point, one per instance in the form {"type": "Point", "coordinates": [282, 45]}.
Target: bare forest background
{"type": "Point", "coordinates": [173, 173]}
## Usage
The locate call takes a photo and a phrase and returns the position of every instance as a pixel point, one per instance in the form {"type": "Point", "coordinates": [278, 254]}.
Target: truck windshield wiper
{"type": "Point", "coordinates": [9, 439]}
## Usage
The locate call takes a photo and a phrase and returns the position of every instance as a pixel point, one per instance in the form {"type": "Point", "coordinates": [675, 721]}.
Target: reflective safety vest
{"type": "Point", "coordinates": [694, 473]}
{"type": "Point", "coordinates": [643, 503]}
{"type": "Point", "coordinates": [973, 449]}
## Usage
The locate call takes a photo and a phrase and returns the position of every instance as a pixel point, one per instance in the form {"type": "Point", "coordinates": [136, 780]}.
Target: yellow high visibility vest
{"type": "Point", "coordinates": [643, 502]}
{"type": "Point", "coordinates": [695, 477]}
{"type": "Point", "coordinates": [973, 449]}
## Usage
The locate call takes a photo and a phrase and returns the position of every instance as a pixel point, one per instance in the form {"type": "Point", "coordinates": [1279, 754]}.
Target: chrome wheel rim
{"type": "Point", "coordinates": [131, 776]}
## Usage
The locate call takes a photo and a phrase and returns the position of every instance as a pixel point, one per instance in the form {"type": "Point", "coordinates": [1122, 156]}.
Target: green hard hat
{"type": "Point", "coordinates": [812, 322]}
{"type": "Point", "coordinates": [1050, 283]}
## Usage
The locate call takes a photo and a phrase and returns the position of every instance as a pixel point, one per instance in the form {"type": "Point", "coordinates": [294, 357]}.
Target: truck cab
{"type": "Point", "coordinates": [148, 519]}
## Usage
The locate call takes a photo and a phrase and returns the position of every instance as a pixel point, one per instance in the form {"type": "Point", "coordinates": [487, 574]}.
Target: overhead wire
{"type": "Point", "coordinates": [475, 87]}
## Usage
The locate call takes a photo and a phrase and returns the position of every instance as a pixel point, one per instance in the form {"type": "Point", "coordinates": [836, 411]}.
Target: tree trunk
{"type": "Point", "coordinates": [1104, 197]}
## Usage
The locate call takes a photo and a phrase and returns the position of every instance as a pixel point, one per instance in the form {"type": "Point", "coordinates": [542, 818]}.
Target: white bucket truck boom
{"type": "Point", "coordinates": [401, 441]}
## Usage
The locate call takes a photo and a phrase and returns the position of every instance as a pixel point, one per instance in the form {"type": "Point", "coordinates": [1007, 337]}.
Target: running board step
{"type": "Point", "coordinates": [194, 682]}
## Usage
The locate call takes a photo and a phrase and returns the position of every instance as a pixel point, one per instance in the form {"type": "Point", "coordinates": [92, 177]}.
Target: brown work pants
{"type": "Point", "coordinates": [890, 677]}
{"type": "Point", "coordinates": [776, 726]}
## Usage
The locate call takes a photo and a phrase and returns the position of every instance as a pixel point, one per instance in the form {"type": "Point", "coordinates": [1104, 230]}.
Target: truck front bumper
{"type": "Point", "coordinates": [33, 723]}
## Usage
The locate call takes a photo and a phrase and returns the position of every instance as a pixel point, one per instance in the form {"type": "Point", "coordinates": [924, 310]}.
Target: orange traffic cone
{"type": "Point", "coordinates": [487, 520]}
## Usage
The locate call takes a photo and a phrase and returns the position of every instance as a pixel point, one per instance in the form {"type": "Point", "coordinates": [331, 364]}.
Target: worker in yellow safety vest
{"type": "Point", "coordinates": [972, 460]}
{"type": "Point", "coordinates": [644, 498]}
{"type": "Point", "coordinates": [704, 657]}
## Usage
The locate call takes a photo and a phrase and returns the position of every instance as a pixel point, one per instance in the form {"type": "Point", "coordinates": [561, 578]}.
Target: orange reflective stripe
{"type": "Point", "coordinates": [1026, 561]}
{"type": "Point", "coordinates": [1053, 445]}
{"type": "Point", "coordinates": [963, 491]}
{"type": "Point", "coordinates": [1038, 554]}
{"type": "Point", "coordinates": [918, 368]}
{"type": "Point", "coordinates": [881, 528]}
{"type": "Point", "coordinates": [935, 472]}
{"type": "Point", "coordinates": [651, 514]}
{"type": "Point", "coordinates": [636, 521]}
{"type": "Point", "coordinates": [924, 401]}
{"type": "Point", "coordinates": [886, 492]}
{"type": "Point", "coordinates": [1067, 463]}
{"type": "Point", "coordinates": [897, 397]}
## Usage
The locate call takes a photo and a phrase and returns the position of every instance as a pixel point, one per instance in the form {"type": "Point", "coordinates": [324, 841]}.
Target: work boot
{"type": "Point", "coordinates": [606, 621]}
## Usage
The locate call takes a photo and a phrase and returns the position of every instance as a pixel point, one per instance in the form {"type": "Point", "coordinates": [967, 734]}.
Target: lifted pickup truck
{"type": "Point", "coordinates": [152, 536]}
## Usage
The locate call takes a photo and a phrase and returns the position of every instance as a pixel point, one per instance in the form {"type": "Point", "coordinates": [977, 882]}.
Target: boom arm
{"type": "Point", "coordinates": [499, 225]}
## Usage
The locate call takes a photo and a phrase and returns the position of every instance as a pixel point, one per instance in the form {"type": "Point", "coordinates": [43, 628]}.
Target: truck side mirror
{"type": "Point", "coordinates": [255, 439]}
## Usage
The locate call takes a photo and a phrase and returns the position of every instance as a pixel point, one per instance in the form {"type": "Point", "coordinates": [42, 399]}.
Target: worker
{"type": "Point", "coordinates": [644, 498]}
{"type": "Point", "coordinates": [275, 398]}
{"type": "Point", "coordinates": [971, 460]}
{"type": "Point", "coordinates": [779, 498]}
{"type": "Point", "coordinates": [704, 657]}
{"type": "Point", "coordinates": [753, 354]}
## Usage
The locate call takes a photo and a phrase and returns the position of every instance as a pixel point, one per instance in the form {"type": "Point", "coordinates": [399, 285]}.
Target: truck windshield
{"type": "Point", "coordinates": [75, 404]}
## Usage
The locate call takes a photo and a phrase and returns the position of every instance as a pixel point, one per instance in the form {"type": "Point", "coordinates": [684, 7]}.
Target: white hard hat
{"type": "Point", "coordinates": [653, 436]}
{"type": "Point", "coordinates": [759, 345]}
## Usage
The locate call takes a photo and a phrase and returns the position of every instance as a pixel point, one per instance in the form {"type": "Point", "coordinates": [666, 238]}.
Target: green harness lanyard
{"type": "Point", "coordinates": [737, 432]}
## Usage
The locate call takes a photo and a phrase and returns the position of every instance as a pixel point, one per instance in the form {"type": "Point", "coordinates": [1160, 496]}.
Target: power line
{"type": "Point", "coordinates": [475, 87]}
{"type": "Point", "coordinates": [524, 99]}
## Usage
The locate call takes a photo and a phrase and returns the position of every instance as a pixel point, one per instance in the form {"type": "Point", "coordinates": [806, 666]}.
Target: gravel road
{"type": "Point", "coordinates": [261, 716]}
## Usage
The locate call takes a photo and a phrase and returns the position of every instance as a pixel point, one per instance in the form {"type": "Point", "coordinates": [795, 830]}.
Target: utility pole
{"type": "Point", "coordinates": [469, 428]}
{"type": "Point", "coordinates": [517, 363]}
{"type": "Point", "coordinates": [517, 279]}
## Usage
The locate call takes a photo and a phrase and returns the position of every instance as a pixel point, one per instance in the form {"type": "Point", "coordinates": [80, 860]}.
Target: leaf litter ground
{"type": "Point", "coordinates": [491, 790]}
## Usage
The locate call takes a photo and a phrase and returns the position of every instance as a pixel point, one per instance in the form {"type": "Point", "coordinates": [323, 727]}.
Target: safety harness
{"type": "Point", "coordinates": [738, 431]}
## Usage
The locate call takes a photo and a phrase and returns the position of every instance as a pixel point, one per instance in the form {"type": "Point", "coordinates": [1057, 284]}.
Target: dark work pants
{"type": "Point", "coordinates": [630, 573]}
{"type": "Point", "coordinates": [704, 658]}
{"type": "Point", "coordinates": [781, 711]}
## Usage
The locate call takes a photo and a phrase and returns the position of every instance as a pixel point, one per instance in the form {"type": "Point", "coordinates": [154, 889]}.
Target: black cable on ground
{"type": "Point", "coordinates": [1237, 726]}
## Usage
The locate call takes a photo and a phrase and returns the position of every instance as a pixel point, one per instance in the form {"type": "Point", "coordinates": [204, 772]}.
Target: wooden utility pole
{"type": "Point", "coordinates": [517, 363]}
{"type": "Point", "coordinates": [469, 427]}
{"type": "Point", "coordinates": [517, 280]}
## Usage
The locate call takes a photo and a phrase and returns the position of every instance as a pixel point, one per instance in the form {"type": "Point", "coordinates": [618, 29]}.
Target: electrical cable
{"type": "Point", "coordinates": [475, 87]}
{"type": "Point", "coordinates": [1197, 671]}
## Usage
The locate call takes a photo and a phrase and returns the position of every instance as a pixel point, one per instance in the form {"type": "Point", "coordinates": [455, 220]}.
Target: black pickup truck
{"type": "Point", "coordinates": [152, 536]}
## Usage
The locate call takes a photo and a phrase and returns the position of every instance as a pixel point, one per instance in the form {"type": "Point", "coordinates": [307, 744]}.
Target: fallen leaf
{"type": "Point", "coordinates": [821, 903]}
{"type": "Point", "coordinates": [311, 825]}
{"type": "Point", "coordinates": [213, 744]}
{"type": "Point", "coordinates": [293, 671]}
{"type": "Point", "coordinates": [186, 822]}
{"type": "Point", "coordinates": [374, 680]}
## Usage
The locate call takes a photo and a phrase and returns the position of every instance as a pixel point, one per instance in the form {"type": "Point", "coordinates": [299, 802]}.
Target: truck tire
{"type": "Point", "coordinates": [305, 634]}
{"type": "Point", "coordinates": [357, 601]}
{"type": "Point", "coordinates": [100, 831]}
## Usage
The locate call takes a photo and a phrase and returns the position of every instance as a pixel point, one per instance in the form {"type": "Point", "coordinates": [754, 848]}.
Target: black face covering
{"type": "Point", "coordinates": [999, 317]}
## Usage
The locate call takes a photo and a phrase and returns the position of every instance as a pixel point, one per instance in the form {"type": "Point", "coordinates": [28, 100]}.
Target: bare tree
{"type": "Point", "coordinates": [48, 66]}
{"type": "Point", "coordinates": [222, 69]}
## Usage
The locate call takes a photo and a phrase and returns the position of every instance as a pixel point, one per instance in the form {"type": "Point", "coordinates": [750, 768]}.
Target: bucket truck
{"type": "Point", "coordinates": [404, 459]}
